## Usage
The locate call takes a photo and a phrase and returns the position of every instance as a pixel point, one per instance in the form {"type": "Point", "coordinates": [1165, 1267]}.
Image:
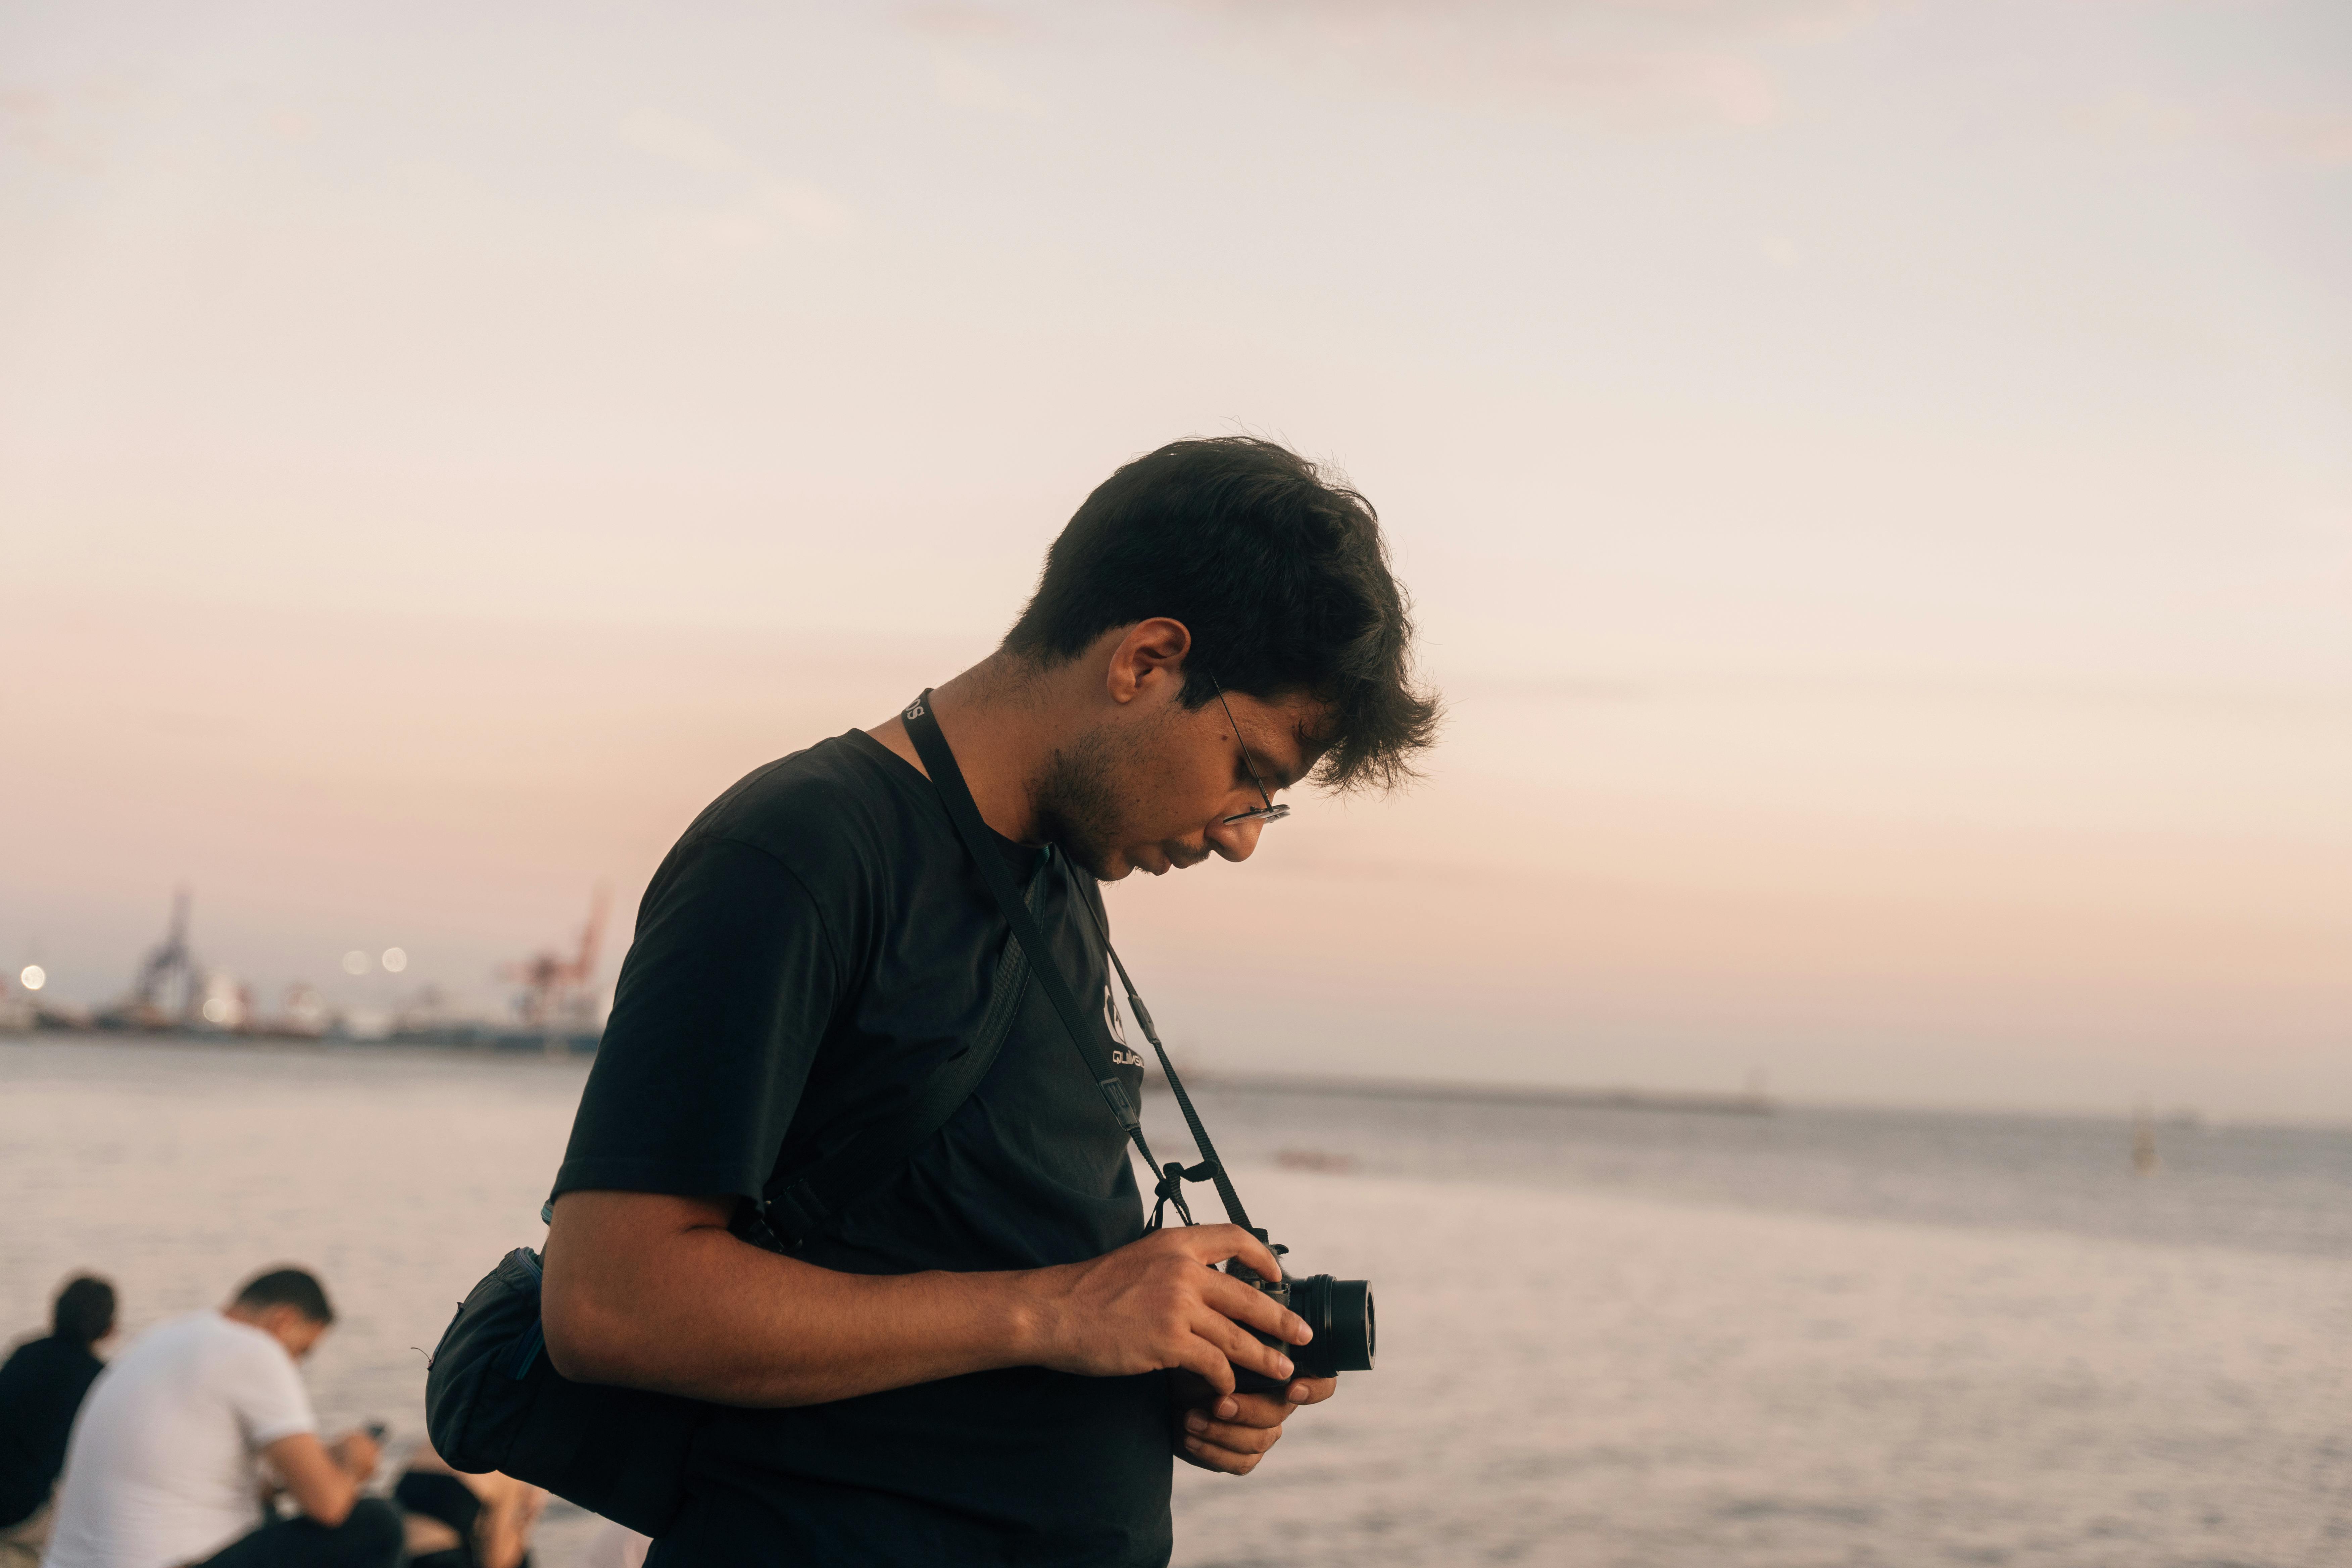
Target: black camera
{"type": "Point", "coordinates": [1338, 1310]}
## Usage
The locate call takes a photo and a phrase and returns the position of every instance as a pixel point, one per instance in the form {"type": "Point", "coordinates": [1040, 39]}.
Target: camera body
{"type": "Point", "coordinates": [1338, 1310]}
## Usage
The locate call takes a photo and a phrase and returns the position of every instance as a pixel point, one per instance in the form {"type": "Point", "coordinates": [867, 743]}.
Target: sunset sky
{"type": "Point", "coordinates": [1876, 481]}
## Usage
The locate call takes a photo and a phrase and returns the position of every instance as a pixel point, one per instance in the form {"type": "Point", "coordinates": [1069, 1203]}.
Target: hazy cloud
{"type": "Point", "coordinates": [2320, 135]}
{"type": "Point", "coordinates": [2130, 114]}
{"type": "Point", "coordinates": [37, 124]}
{"type": "Point", "coordinates": [765, 205]}
{"type": "Point", "coordinates": [968, 84]}
{"type": "Point", "coordinates": [957, 77]}
{"type": "Point", "coordinates": [1632, 63]}
{"type": "Point", "coordinates": [291, 125]}
{"type": "Point", "coordinates": [682, 142]}
{"type": "Point", "coordinates": [960, 21]}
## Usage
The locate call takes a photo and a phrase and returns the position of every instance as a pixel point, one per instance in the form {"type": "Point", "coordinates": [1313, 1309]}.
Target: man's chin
{"type": "Point", "coordinates": [1102, 865]}
{"type": "Point", "coordinates": [1117, 865]}
{"type": "Point", "coordinates": [1159, 860]}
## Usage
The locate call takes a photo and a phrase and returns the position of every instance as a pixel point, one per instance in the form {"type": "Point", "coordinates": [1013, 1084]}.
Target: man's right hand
{"type": "Point", "coordinates": [320, 1478]}
{"type": "Point", "coordinates": [1160, 1303]}
{"type": "Point", "coordinates": [356, 1455]}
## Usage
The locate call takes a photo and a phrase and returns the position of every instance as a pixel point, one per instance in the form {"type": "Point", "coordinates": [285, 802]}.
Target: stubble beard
{"type": "Point", "coordinates": [1077, 804]}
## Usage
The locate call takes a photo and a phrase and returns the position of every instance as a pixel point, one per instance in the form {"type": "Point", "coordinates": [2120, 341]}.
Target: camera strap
{"type": "Point", "coordinates": [939, 762]}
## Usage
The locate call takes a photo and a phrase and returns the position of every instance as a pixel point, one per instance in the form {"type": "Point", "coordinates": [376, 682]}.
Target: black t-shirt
{"type": "Point", "coordinates": [815, 944]}
{"type": "Point", "coordinates": [41, 1388]}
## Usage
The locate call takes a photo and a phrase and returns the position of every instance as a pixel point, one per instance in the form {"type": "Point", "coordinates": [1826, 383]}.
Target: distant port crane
{"type": "Point", "coordinates": [558, 991]}
{"type": "Point", "coordinates": [168, 986]}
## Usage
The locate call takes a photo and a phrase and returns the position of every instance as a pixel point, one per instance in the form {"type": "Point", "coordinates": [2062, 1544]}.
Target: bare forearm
{"type": "Point", "coordinates": [695, 1311]}
{"type": "Point", "coordinates": [322, 1486]}
{"type": "Point", "coordinates": [650, 1291]}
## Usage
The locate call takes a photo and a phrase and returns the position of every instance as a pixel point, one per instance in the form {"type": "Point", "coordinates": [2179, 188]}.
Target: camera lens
{"type": "Point", "coordinates": [1341, 1314]}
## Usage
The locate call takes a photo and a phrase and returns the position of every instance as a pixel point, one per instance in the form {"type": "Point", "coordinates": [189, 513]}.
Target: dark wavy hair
{"type": "Point", "coordinates": [1277, 568]}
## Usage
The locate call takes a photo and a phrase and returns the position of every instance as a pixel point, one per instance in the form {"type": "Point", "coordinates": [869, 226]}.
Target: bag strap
{"type": "Point", "coordinates": [796, 1204]}
{"type": "Point", "coordinates": [939, 762]}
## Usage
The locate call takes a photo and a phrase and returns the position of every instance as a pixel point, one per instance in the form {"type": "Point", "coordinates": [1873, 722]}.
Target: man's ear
{"type": "Point", "coordinates": [1148, 656]}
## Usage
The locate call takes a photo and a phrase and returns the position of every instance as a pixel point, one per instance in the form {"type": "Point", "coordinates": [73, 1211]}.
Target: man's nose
{"type": "Point", "coordinates": [1235, 840]}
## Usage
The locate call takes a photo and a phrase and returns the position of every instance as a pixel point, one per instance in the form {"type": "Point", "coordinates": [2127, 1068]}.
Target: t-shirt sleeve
{"type": "Point", "coordinates": [722, 1003]}
{"type": "Point", "coordinates": [267, 1393]}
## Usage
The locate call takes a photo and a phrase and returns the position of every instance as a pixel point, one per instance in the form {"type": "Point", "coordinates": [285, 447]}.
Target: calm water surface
{"type": "Point", "coordinates": [1608, 1337]}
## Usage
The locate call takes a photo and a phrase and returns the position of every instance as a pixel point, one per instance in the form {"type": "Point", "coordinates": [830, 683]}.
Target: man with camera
{"type": "Point", "coordinates": [983, 1355]}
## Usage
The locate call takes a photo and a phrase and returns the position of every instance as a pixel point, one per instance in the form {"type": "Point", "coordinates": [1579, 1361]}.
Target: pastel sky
{"type": "Point", "coordinates": [1875, 479]}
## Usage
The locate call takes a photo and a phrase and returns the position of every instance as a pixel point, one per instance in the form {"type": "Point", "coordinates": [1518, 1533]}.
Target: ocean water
{"type": "Point", "coordinates": [1607, 1336]}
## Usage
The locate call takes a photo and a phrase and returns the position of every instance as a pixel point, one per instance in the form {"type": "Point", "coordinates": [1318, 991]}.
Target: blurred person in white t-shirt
{"type": "Point", "coordinates": [164, 1468]}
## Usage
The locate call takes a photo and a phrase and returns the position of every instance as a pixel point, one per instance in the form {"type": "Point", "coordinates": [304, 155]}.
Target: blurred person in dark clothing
{"type": "Point", "coordinates": [41, 1388]}
{"type": "Point", "coordinates": [457, 1520]}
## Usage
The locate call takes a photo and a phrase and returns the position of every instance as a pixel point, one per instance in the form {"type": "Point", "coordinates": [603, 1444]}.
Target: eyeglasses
{"type": "Point", "coordinates": [1269, 811]}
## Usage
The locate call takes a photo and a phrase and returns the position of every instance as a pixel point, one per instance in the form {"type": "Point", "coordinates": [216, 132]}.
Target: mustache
{"type": "Point", "coordinates": [1181, 855]}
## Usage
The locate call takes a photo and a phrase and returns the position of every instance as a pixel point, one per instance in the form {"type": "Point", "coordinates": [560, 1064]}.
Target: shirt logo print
{"type": "Point", "coordinates": [1120, 1053]}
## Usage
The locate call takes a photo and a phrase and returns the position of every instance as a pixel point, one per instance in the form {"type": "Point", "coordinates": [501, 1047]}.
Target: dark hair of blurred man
{"type": "Point", "coordinates": [163, 1464]}
{"type": "Point", "coordinates": [41, 1388]}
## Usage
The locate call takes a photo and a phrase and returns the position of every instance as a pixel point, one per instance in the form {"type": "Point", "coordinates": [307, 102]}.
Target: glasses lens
{"type": "Point", "coordinates": [1261, 814]}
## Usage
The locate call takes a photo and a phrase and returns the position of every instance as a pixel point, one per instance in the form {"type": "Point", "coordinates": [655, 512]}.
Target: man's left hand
{"type": "Point", "coordinates": [1231, 1432]}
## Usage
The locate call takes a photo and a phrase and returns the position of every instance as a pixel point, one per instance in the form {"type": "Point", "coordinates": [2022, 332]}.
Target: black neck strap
{"type": "Point", "coordinates": [1210, 1167]}
{"type": "Point", "coordinates": [939, 762]}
